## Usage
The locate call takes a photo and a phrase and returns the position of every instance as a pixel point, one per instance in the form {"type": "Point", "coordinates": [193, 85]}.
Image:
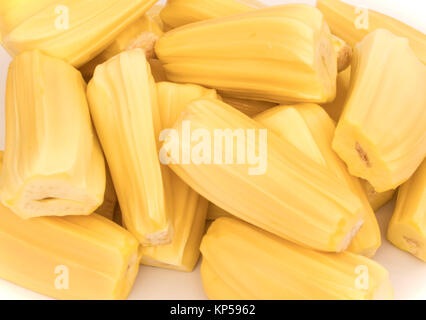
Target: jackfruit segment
{"type": "Point", "coordinates": [123, 102]}
{"type": "Point", "coordinates": [190, 209]}
{"type": "Point", "coordinates": [407, 228]}
{"type": "Point", "coordinates": [376, 199]}
{"type": "Point", "coordinates": [177, 13]}
{"type": "Point", "coordinates": [143, 34]}
{"type": "Point", "coordinates": [352, 24]}
{"type": "Point", "coordinates": [310, 129]}
{"type": "Point", "coordinates": [189, 219]}
{"type": "Point", "coordinates": [53, 164]}
{"type": "Point", "coordinates": [248, 107]}
{"type": "Point", "coordinates": [271, 193]}
{"type": "Point", "coordinates": [73, 30]}
{"type": "Point", "coordinates": [278, 54]}
{"type": "Point", "coordinates": [236, 255]}
{"type": "Point", "coordinates": [74, 257]}
{"type": "Point", "coordinates": [379, 138]}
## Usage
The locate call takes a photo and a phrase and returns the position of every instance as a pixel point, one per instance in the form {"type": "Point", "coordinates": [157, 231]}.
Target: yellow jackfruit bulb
{"type": "Point", "coordinates": [74, 257]}
{"type": "Point", "coordinates": [73, 30]}
{"type": "Point", "coordinates": [190, 209]}
{"type": "Point", "coordinates": [143, 33]}
{"type": "Point", "coordinates": [243, 262]}
{"type": "Point", "coordinates": [352, 24]}
{"type": "Point", "coordinates": [177, 13]}
{"type": "Point", "coordinates": [381, 134]}
{"type": "Point", "coordinates": [157, 70]}
{"type": "Point", "coordinates": [59, 256]}
{"type": "Point", "coordinates": [311, 130]}
{"type": "Point", "coordinates": [266, 181]}
{"type": "Point", "coordinates": [107, 208]}
{"type": "Point", "coordinates": [278, 54]}
{"type": "Point", "coordinates": [123, 102]}
{"type": "Point", "coordinates": [53, 164]}
{"type": "Point", "coordinates": [407, 228]}
{"type": "Point", "coordinates": [376, 199]}
{"type": "Point", "coordinates": [343, 51]}
{"type": "Point", "coordinates": [248, 107]}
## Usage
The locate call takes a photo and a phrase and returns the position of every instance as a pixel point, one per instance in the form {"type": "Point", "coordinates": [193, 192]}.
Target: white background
{"type": "Point", "coordinates": [408, 274]}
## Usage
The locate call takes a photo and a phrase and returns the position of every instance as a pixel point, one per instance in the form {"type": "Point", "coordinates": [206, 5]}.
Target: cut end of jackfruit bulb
{"type": "Point", "coordinates": [53, 164]}
{"type": "Point", "coordinates": [407, 228]}
{"type": "Point", "coordinates": [236, 255]}
{"type": "Point", "coordinates": [280, 54]}
{"type": "Point", "coordinates": [386, 77]}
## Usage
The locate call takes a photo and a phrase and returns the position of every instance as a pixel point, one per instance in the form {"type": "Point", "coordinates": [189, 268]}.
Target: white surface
{"type": "Point", "coordinates": [408, 274]}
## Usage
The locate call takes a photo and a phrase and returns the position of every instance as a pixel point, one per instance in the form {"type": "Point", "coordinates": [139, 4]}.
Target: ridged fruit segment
{"type": "Point", "coordinates": [177, 13]}
{"type": "Point", "coordinates": [311, 130]}
{"type": "Point", "coordinates": [143, 33]}
{"type": "Point", "coordinates": [107, 208]}
{"type": "Point", "coordinates": [243, 262]}
{"type": "Point", "coordinates": [407, 228]}
{"type": "Point", "coordinates": [270, 187]}
{"type": "Point", "coordinates": [352, 24]}
{"type": "Point", "coordinates": [123, 102]}
{"type": "Point", "coordinates": [381, 134]}
{"type": "Point", "coordinates": [74, 257]}
{"type": "Point", "coordinates": [278, 54]}
{"type": "Point", "coordinates": [73, 30]}
{"type": "Point", "coordinates": [100, 258]}
{"type": "Point", "coordinates": [190, 209]}
{"type": "Point", "coordinates": [248, 107]}
{"type": "Point", "coordinates": [53, 164]}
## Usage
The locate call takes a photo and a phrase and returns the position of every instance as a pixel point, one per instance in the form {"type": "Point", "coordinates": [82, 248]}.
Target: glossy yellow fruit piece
{"type": "Point", "coordinates": [311, 130]}
{"type": "Point", "coordinates": [241, 261]}
{"type": "Point", "coordinates": [107, 208]}
{"type": "Point", "coordinates": [278, 54]}
{"type": "Point", "coordinates": [53, 164]}
{"type": "Point", "coordinates": [123, 102]}
{"type": "Point", "coordinates": [248, 107]}
{"type": "Point", "coordinates": [407, 228]}
{"type": "Point", "coordinates": [190, 209]}
{"type": "Point", "coordinates": [143, 34]}
{"type": "Point", "coordinates": [79, 257]}
{"type": "Point", "coordinates": [154, 14]}
{"type": "Point", "coordinates": [180, 12]}
{"type": "Point", "coordinates": [376, 199]}
{"type": "Point", "coordinates": [73, 30]}
{"type": "Point", "coordinates": [269, 191]}
{"type": "Point", "coordinates": [352, 24]}
{"type": "Point", "coordinates": [381, 134]}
